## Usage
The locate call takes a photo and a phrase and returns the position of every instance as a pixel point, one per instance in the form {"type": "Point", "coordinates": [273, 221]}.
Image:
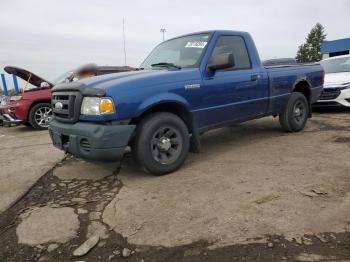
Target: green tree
{"type": "Point", "coordinates": [310, 50]}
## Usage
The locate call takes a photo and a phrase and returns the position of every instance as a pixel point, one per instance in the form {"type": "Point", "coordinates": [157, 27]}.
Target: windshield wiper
{"type": "Point", "coordinates": [166, 65]}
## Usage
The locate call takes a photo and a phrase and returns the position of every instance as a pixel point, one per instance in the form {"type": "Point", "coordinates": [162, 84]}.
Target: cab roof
{"type": "Point", "coordinates": [221, 32]}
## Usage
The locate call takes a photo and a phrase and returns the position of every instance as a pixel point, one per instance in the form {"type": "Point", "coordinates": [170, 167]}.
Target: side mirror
{"type": "Point", "coordinates": [44, 84]}
{"type": "Point", "coordinates": [221, 61]}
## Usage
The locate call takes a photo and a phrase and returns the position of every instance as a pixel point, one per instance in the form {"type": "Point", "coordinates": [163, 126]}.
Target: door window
{"type": "Point", "coordinates": [236, 46]}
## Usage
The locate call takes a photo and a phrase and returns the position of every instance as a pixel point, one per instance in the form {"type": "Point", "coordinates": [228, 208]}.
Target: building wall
{"type": "Point", "coordinates": [324, 56]}
{"type": "Point", "coordinates": [335, 48]}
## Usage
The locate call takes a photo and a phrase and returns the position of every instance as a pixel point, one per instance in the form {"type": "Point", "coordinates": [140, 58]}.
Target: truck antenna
{"type": "Point", "coordinates": [124, 42]}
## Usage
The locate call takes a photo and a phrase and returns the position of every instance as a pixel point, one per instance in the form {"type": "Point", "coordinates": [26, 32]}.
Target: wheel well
{"type": "Point", "coordinates": [174, 108]}
{"type": "Point", "coordinates": [35, 103]}
{"type": "Point", "coordinates": [304, 88]}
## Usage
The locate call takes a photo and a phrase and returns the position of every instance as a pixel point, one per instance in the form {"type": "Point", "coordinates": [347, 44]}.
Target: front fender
{"type": "Point", "coordinates": [161, 99]}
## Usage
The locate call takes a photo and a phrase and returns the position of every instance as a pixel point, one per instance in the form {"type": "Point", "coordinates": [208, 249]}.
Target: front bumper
{"type": "Point", "coordinates": [343, 99]}
{"type": "Point", "coordinates": [17, 110]}
{"type": "Point", "coordinates": [92, 141]}
{"type": "Point", "coordinates": [8, 119]}
{"type": "Point", "coordinates": [7, 116]}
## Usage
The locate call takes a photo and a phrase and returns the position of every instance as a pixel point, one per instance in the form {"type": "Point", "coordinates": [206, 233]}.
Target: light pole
{"type": "Point", "coordinates": [163, 30]}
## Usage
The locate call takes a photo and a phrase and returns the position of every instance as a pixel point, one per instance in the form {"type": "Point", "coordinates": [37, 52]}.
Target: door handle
{"type": "Point", "coordinates": [254, 77]}
{"type": "Point", "coordinates": [192, 86]}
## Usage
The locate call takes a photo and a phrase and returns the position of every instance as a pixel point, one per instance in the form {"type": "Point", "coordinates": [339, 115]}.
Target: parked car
{"type": "Point", "coordinates": [186, 86]}
{"type": "Point", "coordinates": [337, 82]}
{"type": "Point", "coordinates": [33, 106]}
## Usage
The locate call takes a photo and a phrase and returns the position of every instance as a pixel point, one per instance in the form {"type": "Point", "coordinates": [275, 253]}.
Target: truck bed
{"type": "Point", "coordinates": [282, 80]}
{"type": "Point", "coordinates": [290, 65]}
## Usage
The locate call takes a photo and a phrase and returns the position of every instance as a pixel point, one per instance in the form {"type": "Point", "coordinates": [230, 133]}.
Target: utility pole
{"type": "Point", "coordinates": [163, 30]}
{"type": "Point", "coordinates": [124, 42]}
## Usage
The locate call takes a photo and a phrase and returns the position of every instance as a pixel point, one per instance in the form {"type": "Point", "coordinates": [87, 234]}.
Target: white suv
{"type": "Point", "coordinates": [337, 81]}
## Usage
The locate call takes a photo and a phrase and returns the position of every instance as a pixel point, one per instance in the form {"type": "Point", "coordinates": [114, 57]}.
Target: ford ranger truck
{"type": "Point", "coordinates": [185, 87]}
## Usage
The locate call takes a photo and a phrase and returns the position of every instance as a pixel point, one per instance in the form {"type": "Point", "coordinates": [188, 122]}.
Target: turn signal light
{"type": "Point", "coordinates": [106, 106]}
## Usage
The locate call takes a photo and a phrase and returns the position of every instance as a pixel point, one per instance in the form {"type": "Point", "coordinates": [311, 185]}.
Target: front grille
{"type": "Point", "coordinates": [66, 106]}
{"type": "Point", "coordinates": [330, 93]}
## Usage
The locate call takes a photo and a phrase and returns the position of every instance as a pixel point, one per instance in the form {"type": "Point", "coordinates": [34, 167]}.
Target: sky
{"type": "Point", "coordinates": [50, 37]}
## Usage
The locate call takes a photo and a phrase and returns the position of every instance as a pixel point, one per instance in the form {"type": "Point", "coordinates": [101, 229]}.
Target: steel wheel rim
{"type": "Point", "coordinates": [299, 111]}
{"type": "Point", "coordinates": [43, 116]}
{"type": "Point", "coordinates": [166, 145]}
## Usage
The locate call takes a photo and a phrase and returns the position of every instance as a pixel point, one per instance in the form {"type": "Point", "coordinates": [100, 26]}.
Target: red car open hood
{"type": "Point", "coordinates": [35, 80]}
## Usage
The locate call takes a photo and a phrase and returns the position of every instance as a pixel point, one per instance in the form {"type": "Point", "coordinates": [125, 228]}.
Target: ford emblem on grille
{"type": "Point", "coordinates": [58, 106]}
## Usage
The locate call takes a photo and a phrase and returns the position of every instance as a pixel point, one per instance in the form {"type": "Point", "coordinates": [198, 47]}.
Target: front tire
{"type": "Point", "coordinates": [40, 116]}
{"type": "Point", "coordinates": [295, 116]}
{"type": "Point", "coordinates": [161, 143]}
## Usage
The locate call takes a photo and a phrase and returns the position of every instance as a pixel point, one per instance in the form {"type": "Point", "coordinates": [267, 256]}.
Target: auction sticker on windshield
{"type": "Point", "coordinates": [197, 44]}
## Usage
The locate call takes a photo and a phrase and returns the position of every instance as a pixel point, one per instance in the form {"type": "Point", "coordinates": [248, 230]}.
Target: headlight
{"type": "Point", "coordinates": [97, 106]}
{"type": "Point", "coordinates": [15, 98]}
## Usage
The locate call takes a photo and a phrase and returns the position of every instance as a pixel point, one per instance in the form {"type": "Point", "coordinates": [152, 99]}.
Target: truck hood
{"type": "Point", "coordinates": [35, 80]}
{"type": "Point", "coordinates": [337, 79]}
{"type": "Point", "coordinates": [144, 78]}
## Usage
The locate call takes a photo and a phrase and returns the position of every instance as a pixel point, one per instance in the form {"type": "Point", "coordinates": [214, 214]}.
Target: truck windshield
{"type": "Point", "coordinates": [336, 65]}
{"type": "Point", "coordinates": [182, 52]}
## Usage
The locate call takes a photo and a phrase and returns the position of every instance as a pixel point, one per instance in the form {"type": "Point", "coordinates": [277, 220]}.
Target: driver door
{"type": "Point", "coordinates": [232, 94]}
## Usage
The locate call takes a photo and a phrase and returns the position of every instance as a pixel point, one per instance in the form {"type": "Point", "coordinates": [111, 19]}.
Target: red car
{"type": "Point", "coordinates": [33, 107]}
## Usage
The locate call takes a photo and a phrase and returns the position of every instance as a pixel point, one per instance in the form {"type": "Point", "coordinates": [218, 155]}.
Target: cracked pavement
{"type": "Point", "coordinates": [254, 192]}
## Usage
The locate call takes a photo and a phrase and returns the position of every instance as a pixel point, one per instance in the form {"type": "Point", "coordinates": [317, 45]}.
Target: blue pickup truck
{"type": "Point", "coordinates": [186, 86]}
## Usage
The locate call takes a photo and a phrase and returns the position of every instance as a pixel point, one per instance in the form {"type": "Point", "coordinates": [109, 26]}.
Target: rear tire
{"type": "Point", "coordinates": [161, 143]}
{"type": "Point", "coordinates": [40, 116]}
{"type": "Point", "coordinates": [295, 116]}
